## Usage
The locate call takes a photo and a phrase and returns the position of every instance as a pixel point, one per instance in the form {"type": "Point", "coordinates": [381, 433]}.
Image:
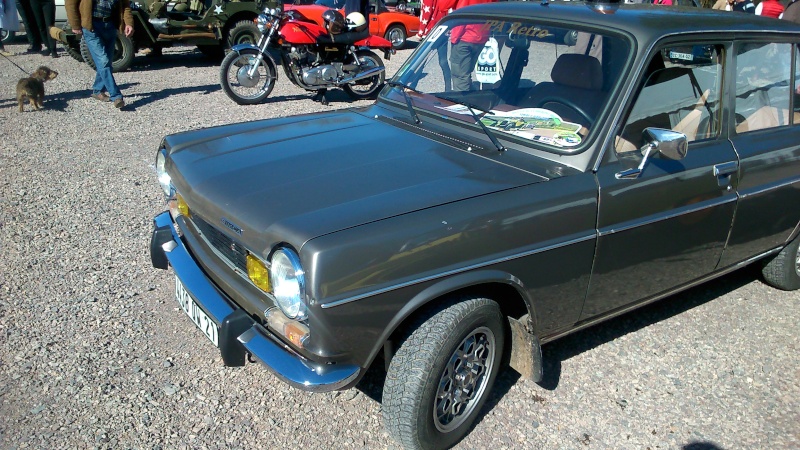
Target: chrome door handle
{"type": "Point", "coordinates": [725, 169]}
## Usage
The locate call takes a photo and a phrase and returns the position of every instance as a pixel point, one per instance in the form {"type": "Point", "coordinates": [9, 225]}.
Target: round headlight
{"type": "Point", "coordinates": [288, 283]}
{"type": "Point", "coordinates": [161, 173]}
{"type": "Point", "coordinates": [261, 22]}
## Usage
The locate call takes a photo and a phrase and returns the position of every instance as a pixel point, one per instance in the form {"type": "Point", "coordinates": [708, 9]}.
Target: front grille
{"type": "Point", "coordinates": [227, 247]}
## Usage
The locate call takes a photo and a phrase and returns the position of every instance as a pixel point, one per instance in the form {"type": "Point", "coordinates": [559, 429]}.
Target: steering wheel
{"type": "Point", "coordinates": [569, 104]}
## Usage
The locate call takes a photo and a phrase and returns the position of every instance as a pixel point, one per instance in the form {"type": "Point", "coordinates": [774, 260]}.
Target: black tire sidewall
{"type": "Point", "coordinates": [486, 315]}
{"type": "Point", "coordinates": [239, 29]}
{"type": "Point", "coordinates": [780, 271]}
{"type": "Point", "coordinates": [119, 64]}
{"type": "Point", "coordinates": [8, 36]}
{"type": "Point", "coordinates": [223, 77]}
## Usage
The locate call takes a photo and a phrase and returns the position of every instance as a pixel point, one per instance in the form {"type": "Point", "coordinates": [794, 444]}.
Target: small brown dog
{"type": "Point", "coordinates": [32, 88]}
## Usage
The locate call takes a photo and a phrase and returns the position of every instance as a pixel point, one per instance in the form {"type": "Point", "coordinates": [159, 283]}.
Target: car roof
{"type": "Point", "coordinates": [645, 21]}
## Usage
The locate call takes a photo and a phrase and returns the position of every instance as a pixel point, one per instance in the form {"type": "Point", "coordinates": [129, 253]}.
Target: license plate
{"type": "Point", "coordinates": [680, 55]}
{"type": "Point", "coordinates": [198, 316]}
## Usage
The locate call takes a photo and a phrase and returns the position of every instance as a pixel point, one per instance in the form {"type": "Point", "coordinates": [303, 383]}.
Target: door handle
{"type": "Point", "coordinates": [725, 169]}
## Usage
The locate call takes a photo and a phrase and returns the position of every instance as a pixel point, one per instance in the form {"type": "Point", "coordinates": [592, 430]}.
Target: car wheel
{"type": "Point", "coordinates": [73, 50]}
{"type": "Point", "coordinates": [124, 51]}
{"type": "Point", "coordinates": [783, 270]}
{"type": "Point", "coordinates": [442, 374]}
{"type": "Point", "coordinates": [397, 35]}
{"type": "Point", "coordinates": [6, 36]}
{"type": "Point", "coordinates": [243, 32]}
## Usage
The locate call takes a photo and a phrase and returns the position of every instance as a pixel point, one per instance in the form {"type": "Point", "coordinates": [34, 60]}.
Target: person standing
{"type": "Point", "coordinates": [430, 14]}
{"type": "Point", "coordinates": [745, 6]}
{"type": "Point", "coordinates": [44, 13]}
{"type": "Point", "coordinates": [8, 21]}
{"type": "Point", "coordinates": [769, 8]}
{"type": "Point", "coordinates": [467, 44]}
{"type": "Point", "coordinates": [31, 29]}
{"type": "Point", "coordinates": [99, 21]}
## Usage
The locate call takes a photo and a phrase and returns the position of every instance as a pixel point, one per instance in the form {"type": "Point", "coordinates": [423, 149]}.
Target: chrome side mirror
{"type": "Point", "coordinates": [670, 144]}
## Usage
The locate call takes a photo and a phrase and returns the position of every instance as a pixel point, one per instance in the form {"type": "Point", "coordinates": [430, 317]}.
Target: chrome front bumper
{"type": "Point", "coordinates": [239, 333]}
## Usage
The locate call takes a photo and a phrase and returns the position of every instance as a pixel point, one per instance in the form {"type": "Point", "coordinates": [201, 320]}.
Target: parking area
{"type": "Point", "coordinates": [95, 352]}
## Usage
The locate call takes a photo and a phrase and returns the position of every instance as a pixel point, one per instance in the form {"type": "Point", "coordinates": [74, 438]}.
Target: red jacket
{"type": "Point", "coordinates": [771, 8]}
{"type": "Point", "coordinates": [474, 34]}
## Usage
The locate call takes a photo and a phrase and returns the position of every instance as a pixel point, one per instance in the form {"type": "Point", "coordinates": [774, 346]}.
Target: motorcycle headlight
{"type": "Point", "coordinates": [288, 283]}
{"type": "Point", "coordinates": [262, 22]}
{"type": "Point", "coordinates": [161, 173]}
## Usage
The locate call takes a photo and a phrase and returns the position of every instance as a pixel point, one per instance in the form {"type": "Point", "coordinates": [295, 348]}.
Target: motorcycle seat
{"type": "Point", "coordinates": [350, 37]}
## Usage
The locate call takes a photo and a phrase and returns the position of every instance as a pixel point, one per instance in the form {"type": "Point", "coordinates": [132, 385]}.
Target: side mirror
{"type": "Point", "coordinates": [667, 143]}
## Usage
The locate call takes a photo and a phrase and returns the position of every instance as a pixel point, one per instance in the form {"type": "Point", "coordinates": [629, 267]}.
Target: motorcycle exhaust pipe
{"type": "Point", "coordinates": [362, 75]}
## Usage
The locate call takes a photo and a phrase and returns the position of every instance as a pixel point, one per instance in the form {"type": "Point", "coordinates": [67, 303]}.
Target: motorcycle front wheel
{"type": "Point", "coordinates": [239, 85]}
{"type": "Point", "coordinates": [366, 87]}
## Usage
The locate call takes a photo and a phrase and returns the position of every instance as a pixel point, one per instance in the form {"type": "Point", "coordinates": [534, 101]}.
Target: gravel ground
{"type": "Point", "coordinates": [94, 352]}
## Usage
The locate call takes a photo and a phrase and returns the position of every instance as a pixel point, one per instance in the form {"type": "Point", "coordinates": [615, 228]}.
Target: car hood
{"type": "Point", "coordinates": [293, 179]}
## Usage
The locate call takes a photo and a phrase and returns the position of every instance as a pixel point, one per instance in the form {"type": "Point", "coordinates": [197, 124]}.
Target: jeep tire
{"type": "Point", "coordinates": [442, 374]}
{"type": "Point", "coordinates": [124, 51]}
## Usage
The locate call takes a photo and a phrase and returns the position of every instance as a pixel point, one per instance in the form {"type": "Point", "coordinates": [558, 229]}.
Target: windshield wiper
{"type": "Point", "coordinates": [410, 106]}
{"type": "Point", "coordinates": [470, 107]}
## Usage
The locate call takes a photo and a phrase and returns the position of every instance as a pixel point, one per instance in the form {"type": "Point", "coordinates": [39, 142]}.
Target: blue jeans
{"type": "Point", "coordinates": [100, 43]}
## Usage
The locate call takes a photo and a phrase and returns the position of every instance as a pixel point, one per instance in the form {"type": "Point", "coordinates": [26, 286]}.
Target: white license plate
{"type": "Point", "coordinates": [683, 56]}
{"type": "Point", "coordinates": [198, 316]}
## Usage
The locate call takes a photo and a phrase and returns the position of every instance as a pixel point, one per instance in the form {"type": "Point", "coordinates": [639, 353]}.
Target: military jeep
{"type": "Point", "coordinates": [211, 25]}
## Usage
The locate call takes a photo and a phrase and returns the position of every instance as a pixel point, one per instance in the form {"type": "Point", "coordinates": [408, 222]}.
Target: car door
{"type": "Point", "coordinates": [668, 225]}
{"type": "Point", "coordinates": [767, 139]}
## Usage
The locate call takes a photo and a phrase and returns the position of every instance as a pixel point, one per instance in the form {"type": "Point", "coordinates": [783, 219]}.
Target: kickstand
{"type": "Point", "coordinates": [320, 97]}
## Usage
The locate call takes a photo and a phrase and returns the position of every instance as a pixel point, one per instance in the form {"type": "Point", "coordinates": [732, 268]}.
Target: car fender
{"type": "Point", "coordinates": [452, 284]}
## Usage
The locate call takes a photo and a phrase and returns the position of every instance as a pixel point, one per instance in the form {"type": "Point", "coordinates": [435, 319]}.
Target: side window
{"type": "Point", "coordinates": [680, 92]}
{"type": "Point", "coordinates": [762, 86]}
{"type": "Point", "coordinates": [796, 118]}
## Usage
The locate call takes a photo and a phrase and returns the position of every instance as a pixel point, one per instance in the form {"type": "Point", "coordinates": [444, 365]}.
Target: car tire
{"type": "Point", "coordinates": [7, 36]}
{"type": "Point", "coordinates": [243, 32]}
{"type": "Point", "coordinates": [124, 51]}
{"type": "Point", "coordinates": [73, 50]}
{"type": "Point", "coordinates": [783, 270]}
{"type": "Point", "coordinates": [396, 34]}
{"type": "Point", "coordinates": [429, 370]}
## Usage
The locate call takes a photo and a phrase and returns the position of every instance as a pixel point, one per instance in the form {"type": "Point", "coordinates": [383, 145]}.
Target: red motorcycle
{"type": "Point", "coordinates": [314, 58]}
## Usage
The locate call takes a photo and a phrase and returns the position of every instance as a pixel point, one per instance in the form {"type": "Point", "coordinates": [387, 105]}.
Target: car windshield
{"type": "Point", "coordinates": [335, 4]}
{"type": "Point", "coordinates": [528, 82]}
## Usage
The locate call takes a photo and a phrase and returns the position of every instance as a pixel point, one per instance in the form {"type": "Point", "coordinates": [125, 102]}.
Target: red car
{"type": "Point", "coordinates": [393, 25]}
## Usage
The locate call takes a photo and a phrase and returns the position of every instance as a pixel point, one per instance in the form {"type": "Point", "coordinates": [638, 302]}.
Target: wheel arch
{"type": "Point", "coordinates": [504, 288]}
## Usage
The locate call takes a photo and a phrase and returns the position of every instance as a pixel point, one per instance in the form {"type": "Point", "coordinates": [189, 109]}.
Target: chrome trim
{"type": "Point", "coordinates": [276, 355]}
{"type": "Point", "coordinates": [455, 271]}
{"type": "Point", "coordinates": [726, 168]}
{"type": "Point", "coordinates": [292, 368]}
{"type": "Point", "coordinates": [633, 306]}
{"type": "Point", "coordinates": [665, 217]}
{"type": "Point", "coordinates": [771, 188]}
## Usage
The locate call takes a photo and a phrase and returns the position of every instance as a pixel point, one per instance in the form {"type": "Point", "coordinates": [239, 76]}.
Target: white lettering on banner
{"type": "Point", "coordinates": [486, 67]}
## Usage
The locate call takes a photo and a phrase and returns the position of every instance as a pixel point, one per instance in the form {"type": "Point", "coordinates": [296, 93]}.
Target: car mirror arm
{"type": "Point", "coordinates": [670, 144]}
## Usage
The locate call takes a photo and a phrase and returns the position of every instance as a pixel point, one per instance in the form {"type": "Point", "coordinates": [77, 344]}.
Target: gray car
{"type": "Point", "coordinates": [531, 170]}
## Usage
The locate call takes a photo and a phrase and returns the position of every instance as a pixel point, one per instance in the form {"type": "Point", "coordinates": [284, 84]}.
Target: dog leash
{"type": "Point", "coordinates": [15, 64]}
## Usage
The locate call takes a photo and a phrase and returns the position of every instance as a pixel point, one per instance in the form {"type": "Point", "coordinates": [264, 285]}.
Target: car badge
{"type": "Point", "coordinates": [231, 226]}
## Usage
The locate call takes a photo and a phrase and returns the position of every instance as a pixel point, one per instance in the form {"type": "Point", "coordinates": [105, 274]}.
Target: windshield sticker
{"type": "Point", "coordinates": [486, 66]}
{"type": "Point", "coordinates": [516, 29]}
{"type": "Point", "coordinates": [536, 124]}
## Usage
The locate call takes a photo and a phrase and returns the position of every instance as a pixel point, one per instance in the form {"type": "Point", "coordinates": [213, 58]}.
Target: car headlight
{"type": "Point", "coordinates": [161, 173]}
{"type": "Point", "coordinates": [288, 283]}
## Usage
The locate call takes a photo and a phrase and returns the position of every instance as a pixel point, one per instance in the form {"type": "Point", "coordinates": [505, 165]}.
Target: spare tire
{"type": "Point", "coordinates": [124, 51]}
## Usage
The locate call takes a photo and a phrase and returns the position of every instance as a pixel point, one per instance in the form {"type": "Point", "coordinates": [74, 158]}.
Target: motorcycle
{"type": "Point", "coordinates": [313, 57]}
